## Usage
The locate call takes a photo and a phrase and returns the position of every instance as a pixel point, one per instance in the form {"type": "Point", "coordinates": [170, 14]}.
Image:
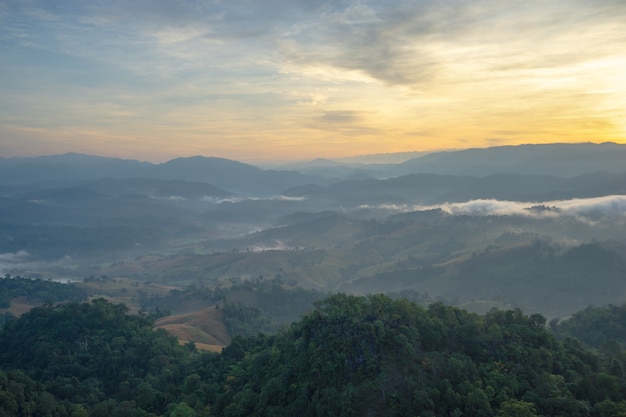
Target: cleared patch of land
{"type": "Point", "coordinates": [21, 305]}
{"type": "Point", "coordinates": [205, 328]}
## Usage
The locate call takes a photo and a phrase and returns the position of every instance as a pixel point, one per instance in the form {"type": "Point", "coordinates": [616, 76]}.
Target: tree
{"type": "Point", "coordinates": [183, 410]}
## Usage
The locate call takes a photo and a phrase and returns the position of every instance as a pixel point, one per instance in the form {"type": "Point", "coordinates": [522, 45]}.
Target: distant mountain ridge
{"type": "Point", "coordinates": [425, 188]}
{"type": "Point", "coordinates": [558, 160]}
{"type": "Point", "coordinates": [223, 173]}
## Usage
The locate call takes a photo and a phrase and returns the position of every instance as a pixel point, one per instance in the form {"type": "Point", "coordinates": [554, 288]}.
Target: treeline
{"type": "Point", "coordinates": [38, 289]}
{"type": "Point", "coordinates": [349, 356]}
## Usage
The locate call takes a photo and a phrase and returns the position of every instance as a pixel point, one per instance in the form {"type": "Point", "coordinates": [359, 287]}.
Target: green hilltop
{"type": "Point", "coordinates": [349, 356]}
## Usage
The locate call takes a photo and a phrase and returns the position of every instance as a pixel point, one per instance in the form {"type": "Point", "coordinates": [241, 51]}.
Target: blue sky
{"type": "Point", "coordinates": [286, 80]}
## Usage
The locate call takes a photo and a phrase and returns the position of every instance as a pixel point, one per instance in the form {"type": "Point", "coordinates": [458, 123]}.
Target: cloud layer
{"type": "Point", "coordinates": [612, 206]}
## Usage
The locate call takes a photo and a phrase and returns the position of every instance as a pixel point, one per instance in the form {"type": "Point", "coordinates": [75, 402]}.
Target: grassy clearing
{"type": "Point", "coordinates": [204, 327]}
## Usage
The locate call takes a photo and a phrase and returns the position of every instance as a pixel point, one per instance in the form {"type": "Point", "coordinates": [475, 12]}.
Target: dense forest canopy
{"type": "Point", "coordinates": [349, 356]}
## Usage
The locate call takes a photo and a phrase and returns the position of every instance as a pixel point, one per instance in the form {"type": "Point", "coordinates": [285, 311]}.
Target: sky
{"type": "Point", "coordinates": [273, 80]}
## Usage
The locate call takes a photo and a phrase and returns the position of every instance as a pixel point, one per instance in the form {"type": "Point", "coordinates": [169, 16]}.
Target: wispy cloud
{"type": "Point", "coordinates": [242, 78]}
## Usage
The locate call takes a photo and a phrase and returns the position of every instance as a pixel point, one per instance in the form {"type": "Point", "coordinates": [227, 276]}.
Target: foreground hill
{"type": "Point", "coordinates": [373, 356]}
{"type": "Point", "coordinates": [350, 356]}
{"type": "Point", "coordinates": [87, 360]}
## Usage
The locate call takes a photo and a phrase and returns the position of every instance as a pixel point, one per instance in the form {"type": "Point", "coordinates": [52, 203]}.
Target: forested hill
{"type": "Point", "coordinates": [356, 356]}
{"type": "Point", "coordinates": [350, 356]}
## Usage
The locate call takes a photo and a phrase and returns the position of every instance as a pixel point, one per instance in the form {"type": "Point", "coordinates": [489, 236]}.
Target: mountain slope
{"type": "Point", "coordinates": [430, 189]}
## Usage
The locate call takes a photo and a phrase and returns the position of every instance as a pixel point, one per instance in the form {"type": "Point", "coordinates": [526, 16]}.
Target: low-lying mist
{"type": "Point", "coordinates": [609, 206]}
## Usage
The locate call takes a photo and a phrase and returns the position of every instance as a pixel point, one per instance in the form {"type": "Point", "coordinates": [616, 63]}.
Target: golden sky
{"type": "Point", "coordinates": [294, 80]}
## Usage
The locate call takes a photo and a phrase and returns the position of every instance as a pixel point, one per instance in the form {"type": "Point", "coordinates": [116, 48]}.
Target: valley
{"type": "Point", "coordinates": [208, 287]}
{"type": "Point", "coordinates": [429, 228]}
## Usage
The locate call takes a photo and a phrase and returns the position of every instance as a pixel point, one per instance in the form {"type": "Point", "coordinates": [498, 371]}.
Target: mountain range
{"type": "Point", "coordinates": [423, 225]}
{"type": "Point", "coordinates": [562, 160]}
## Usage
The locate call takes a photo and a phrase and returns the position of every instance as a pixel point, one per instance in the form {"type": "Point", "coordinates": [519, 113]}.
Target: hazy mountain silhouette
{"type": "Point", "coordinates": [552, 159]}
{"type": "Point", "coordinates": [69, 166]}
{"type": "Point", "coordinates": [562, 160]}
{"type": "Point", "coordinates": [223, 173]}
{"type": "Point", "coordinates": [231, 175]}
